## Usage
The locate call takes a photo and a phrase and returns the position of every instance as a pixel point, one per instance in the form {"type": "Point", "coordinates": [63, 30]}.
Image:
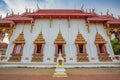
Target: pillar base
{"type": "Point", "coordinates": [60, 74]}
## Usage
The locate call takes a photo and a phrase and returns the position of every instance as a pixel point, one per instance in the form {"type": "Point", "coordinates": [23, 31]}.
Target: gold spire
{"type": "Point", "coordinates": [99, 39]}
{"type": "Point", "coordinates": [20, 39]}
{"type": "Point", "coordinates": [79, 39]}
{"type": "Point", "coordinates": [59, 38]}
{"type": "Point", "coordinates": [40, 38]}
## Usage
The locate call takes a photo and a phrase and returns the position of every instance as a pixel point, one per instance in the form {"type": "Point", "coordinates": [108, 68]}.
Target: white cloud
{"type": "Point", "coordinates": [19, 5]}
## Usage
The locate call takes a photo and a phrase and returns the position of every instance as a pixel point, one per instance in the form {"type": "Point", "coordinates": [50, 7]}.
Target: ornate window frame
{"type": "Point", "coordinates": [59, 41]}
{"type": "Point", "coordinates": [99, 40]}
{"type": "Point", "coordinates": [81, 57]}
{"type": "Point", "coordinates": [38, 57]}
{"type": "Point", "coordinates": [19, 41]}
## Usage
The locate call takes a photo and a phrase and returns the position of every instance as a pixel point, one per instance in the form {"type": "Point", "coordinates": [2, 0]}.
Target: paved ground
{"type": "Point", "coordinates": [73, 74]}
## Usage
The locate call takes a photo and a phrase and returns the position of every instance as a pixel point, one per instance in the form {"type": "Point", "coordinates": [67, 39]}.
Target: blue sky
{"type": "Point", "coordinates": [99, 5]}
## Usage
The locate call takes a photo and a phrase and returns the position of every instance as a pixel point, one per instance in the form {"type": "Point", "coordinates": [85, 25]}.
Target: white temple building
{"type": "Point", "coordinates": [35, 39]}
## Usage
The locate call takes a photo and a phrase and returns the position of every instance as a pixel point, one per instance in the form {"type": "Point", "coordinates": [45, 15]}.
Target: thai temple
{"type": "Point", "coordinates": [37, 37]}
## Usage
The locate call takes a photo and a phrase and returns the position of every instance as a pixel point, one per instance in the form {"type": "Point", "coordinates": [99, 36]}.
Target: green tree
{"type": "Point", "coordinates": [115, 46]}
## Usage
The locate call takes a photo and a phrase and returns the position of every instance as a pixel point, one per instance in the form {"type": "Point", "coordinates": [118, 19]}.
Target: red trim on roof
{"type": "Point", "coordinates": [59, 13]}
{"type": "Point", "coordinates": [100, 19]}
{"type": "Point", "coordinates": [19, 19]}
{"type": "Point", "coordinates": [6, 22]}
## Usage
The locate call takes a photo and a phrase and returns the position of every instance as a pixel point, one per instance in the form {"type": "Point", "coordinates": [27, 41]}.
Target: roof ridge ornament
{"type": "Point", "coordinates": [7, 14]}
{"type": "Point", "coordinates": [90, 10]}
{"type": "Point", "coordinates": [26, 9]}
{"type": "Point", "coordinates": [107, 13]}
{"type": "Point", "coordinates": [12, 13]}
{"type": "Point", "coordinates": [29, 10]}
{"type": "Point", "coordinates": [93, 10]}
{"type": "Point", "coordinates": [82, 7]}
{"type": "Point", "coordinates": [38, 8]}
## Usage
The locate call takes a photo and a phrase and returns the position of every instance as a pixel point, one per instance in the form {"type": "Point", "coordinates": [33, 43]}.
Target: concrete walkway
{"type": "Point", "coordinates": [73, 74]}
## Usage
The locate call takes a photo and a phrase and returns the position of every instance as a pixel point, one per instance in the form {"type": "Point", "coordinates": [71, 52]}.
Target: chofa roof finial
{"type": "Point", "coordinates": [107, 12]}
{"type": "Point", "coordinates": [82, 7]}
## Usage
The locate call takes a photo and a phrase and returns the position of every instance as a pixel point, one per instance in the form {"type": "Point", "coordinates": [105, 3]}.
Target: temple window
{"type": "Point", "coordinates": [59, 46]}
{"type": "Point", "coordinates": [81, 49]}
{"type": "Point", "coordinates": [38, 48]}
{"type": "Point", "coordinates": [17, 49]}
{"type": "Point", "coordinates": [60, 49]}
{"type": "Point", "coordinates": [101, 48]}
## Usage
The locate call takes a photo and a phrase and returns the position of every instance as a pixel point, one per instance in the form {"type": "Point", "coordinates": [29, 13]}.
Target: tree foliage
{"type": "Point", "coordinates": [116, 46]}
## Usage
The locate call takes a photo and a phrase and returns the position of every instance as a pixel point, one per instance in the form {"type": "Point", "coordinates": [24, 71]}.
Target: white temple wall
{"type": "Point", "coordinates": [93, 48]}
{"type": "Point", "coordinates": [15, 34]}
{"type": "Point", "coordinates": [56, 25]}
{"type": "Point", "coordinates": [102, 31]}
{"type": "Point", "coordinates": [51, 33]}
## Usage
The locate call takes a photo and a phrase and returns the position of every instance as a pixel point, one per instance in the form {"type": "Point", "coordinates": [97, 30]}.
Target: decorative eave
{"type": "Point", "coordinates": [39, 39]}
{"type": "Point", "coordinates": [20, 19]}
{"type": "Point", "coordinates": [100, 19]}
{"type": "Point", "coordinates": [59, 39]}
{"type": "Point", "coordinates": [79, 39]}
{"type": "Point", "coordinates": [113, 23]}
{"type": "Point", "coordinates": [6, 23]}
{"type": "Point", "coordinates": [20, 39]}
{"type": "Point", "coordinates": [99, 39]}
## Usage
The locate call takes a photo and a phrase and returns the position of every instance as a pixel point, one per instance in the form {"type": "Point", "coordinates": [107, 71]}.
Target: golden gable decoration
{"type": "Point", "coordinates": [99, 39]}
{"type": "Point", "coordinates": [39, 39]}
{"type": "Point", "coordinates": [59, 39]}
{"type": "Point", "coordinates": [20, 39]}
{"type": "Point", "coordinates": [79, 39]}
